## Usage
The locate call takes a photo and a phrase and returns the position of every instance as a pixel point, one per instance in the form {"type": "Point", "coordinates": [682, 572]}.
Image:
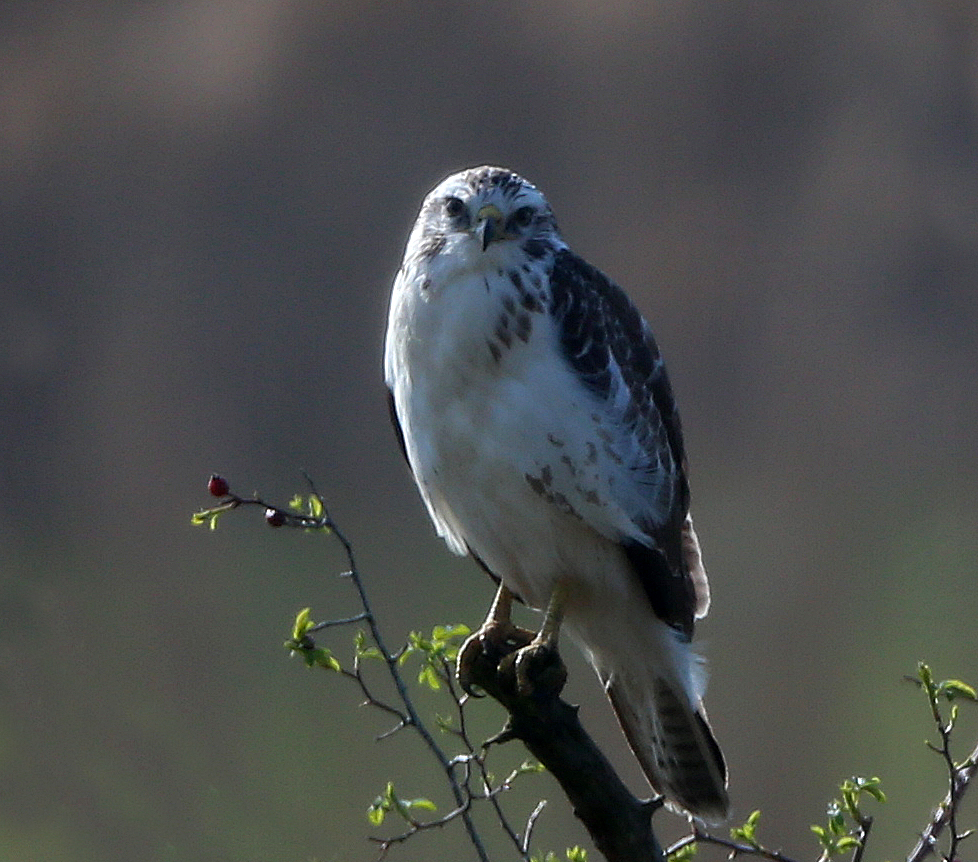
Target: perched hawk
{"type": "Point", "coordinates": [537, 417]}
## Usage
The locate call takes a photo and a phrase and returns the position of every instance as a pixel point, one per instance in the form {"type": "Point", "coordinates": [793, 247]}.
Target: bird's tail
{"type": "Point", "coordinates": [655, 686]}
{"type": "Point", "coordinates": [674, 744]}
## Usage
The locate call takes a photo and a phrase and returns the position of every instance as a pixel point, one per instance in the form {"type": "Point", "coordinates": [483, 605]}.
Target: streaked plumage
{"type": "Point", "coordinates": [539, 422]}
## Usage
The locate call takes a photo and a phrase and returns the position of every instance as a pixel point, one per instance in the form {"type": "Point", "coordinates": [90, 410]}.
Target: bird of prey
{"type": "Point", "coordinates": [535, 412]}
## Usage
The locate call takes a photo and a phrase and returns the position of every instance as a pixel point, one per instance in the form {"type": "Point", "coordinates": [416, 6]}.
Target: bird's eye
{"type": "Point", "coordinates": [454, 207]}
{"type": "Point", "coordinates": [522, 217]}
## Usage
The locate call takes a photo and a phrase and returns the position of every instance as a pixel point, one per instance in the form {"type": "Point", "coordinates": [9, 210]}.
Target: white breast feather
{"type": "Point", "coordinates": [512, 455]}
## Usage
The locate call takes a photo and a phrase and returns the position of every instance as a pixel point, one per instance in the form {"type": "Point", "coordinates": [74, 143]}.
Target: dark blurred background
{"type": "Point", "coordinates": [202, 206]}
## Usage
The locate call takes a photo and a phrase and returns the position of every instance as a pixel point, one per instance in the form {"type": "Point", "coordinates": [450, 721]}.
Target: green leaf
{"type": "Point", "coordinates": [429, 676]}
{"type": "Point", "coordinates": [926, 677]}
{"type": "Point", "coordinates": [857, 785]}
{"type": "Point", "coordinates": [684, 854]}
{"type": "Point", "coordinates": [413, 641]}
{"type": "Point", "coordinates": [876, 793]}
{"type": "Point", "coordinates": [376, 812]}
{"type": "Point", "coordinates": [421, 803]}
{"type": "Point", "coordinates": [747, 832]}
{"type": "Point", "coordinates": [205, 516]}
{"type": "Point", "coordinates": [952, 688]}
{"type": "Point", "coordinates": [295, 504]}
{"type": "Point", "coordinates": [315, 506]}
{"type": "Point", "coordinates": [529, 767]}
{"type": "Point", "coordinates": [324, 658]}
{"type": "Point", "coordinates": [302, 624]}
{"type": "Point", "coordinates": [576, 854]}
{"type": "Point", "coordinates": [872, 787]}
{"type": "Point", "coordinates": [837, 823]}
{"type": "Point", "coordinates": [387, 801]}
{"type": "Point", "coordinates": [363, 650]}
{"type": "Point", "coordinates": [444, 633]}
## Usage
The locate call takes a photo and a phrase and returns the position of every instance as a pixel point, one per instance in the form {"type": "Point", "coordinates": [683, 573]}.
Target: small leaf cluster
{"type": "Point", "coordinates": [572, 854]}
{"type": "Point", "coordinates": [747, 833]}
{"type": "Point", "coordinates": [527, 767]}
{"type": "Point", "coordinates": [948, 690]}
{"type": "Point", "coordinates": [389, 802]}
{"type": "Point", "coordinates": [309, 506]}
{"type": "Point", "coordinates": [363, 649]}
{"type": "Point", "coordinates": [959, 772]}
{"type": "Point", "coordinates": [684, 853]}
{"type": "Point", "coordinates": [303, 645]}
{"type": "Point", "coordinates": [847, 824]}
{"type": "Point", "coordinates": [207, 516]}
{"type": "Point", "coordinates": [469, 780]}
{"type": "Point", "coordinates": [307, 511]}
{"type": "Point", "coordinates": [437, 653]}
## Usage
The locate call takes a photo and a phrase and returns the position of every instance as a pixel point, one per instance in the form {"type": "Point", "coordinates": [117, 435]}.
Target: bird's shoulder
{"type": "Point", "coordinates": [611, 348]}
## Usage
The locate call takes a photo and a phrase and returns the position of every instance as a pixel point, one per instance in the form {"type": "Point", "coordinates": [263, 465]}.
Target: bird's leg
{"type": "Point", "coordinates": [496, 638]}
{"type": "Point", "coordinates": [502, 608]}
{"type": "Point", "coordinates": [538, 665]}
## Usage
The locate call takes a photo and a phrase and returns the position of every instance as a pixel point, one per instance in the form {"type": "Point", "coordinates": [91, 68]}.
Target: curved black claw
{"type": "Point", "coordinates": [469, 653]}
{"type": "Point", "coordinates": [483, 651]}
{"type": "Point", "coordinates": [539, 669]}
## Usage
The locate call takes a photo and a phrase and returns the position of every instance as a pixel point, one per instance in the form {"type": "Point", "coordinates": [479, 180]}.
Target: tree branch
{"type": "Point", "coordinates": [619, 823]}
{"type": "Point", "coordinates": [944, 815]}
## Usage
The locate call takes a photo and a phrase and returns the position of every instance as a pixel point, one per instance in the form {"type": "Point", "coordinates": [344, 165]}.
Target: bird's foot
{"type": "Point", "coordinates": [538, 668]}
{"type": "Point", "coordinates": [485, 649]}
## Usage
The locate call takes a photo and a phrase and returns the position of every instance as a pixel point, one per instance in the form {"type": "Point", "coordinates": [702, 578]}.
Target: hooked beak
{"type": "Point", "coordinates": [489, 225]}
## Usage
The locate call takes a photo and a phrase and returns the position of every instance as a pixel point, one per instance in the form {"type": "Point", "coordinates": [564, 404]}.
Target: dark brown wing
{"type": "Point", "coordinates": [608, 345]}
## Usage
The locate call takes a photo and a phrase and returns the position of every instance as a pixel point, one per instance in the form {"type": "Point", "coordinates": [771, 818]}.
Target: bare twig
{"type": "Point", "coordinates": [531, 821]}
{"type": "Point", "coordinates": [417, 826]}
{"type": "Point", "coordinates": [319, 518]}
{"type": "Point", "coordinates": [864, 826]}
{"type": "Point", "coordinates": [369, 698]}
{"type": "Point", "coordinates": [521, 844]}
{"type": "Point", "coordinates": [327, 624]}
{"type": "Point", "coordinates": [959, 775]}
{"type": "Point", "coordinates": [945, 815]}
{"type": "Point", "coordinates": [735, 847]}
{"type": "Point", "coordinates": [462, 800]}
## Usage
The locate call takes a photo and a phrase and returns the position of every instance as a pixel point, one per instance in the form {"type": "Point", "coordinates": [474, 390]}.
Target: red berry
{"type": "Point", "coordinates": [218, 486]}
{"type": "Point", "coordinates": [274, 517]}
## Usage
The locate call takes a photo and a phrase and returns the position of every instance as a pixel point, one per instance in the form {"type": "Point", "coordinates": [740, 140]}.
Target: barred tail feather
{"type": "Point", "coordinates": [672, 741]}
{"type": "Point", "coordinates": [655, 683]}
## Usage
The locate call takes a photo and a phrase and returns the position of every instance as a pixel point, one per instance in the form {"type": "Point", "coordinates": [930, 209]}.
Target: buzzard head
{"type": "Point", "coordinates": [479, 210]}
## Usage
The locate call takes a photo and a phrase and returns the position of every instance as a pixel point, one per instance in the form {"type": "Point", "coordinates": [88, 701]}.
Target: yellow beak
{"type": "Point", "coordinates": [489, 225]}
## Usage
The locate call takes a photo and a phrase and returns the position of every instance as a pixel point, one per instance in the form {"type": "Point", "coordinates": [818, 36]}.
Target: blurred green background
{"type": "Point", "coordinates": [202, 206]}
